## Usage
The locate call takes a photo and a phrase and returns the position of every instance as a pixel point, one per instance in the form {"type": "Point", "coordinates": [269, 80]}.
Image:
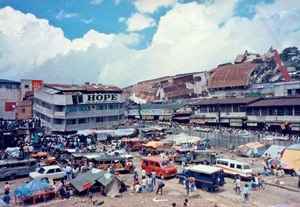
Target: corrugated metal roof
{"type": "Point", "coordinates": [101, 87]}
{"type": "Point", "coordinates": [227, 101]}
{"type": "Point", "coordinates": [277, 102]}
{"type": "Point", "coordinates": [232, 75]}
{"type": "Point", "coordinates": [8, 81]}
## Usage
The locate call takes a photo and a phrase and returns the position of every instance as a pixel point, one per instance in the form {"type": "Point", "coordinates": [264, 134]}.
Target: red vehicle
{"type": "Point", "coordinates": [161, 166]}
{"type": "Point", "coordinates": [134, 143]}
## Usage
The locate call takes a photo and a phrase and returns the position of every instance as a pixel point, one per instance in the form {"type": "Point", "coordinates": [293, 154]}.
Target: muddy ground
{"type": "Point", "coordinates": [285, 195]}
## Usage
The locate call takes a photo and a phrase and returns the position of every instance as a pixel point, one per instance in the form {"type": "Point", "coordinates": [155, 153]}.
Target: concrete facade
{"type": "Point", "coordinates": [64, 108]}
{"type": "Point", "coordinates": [9, 91]}
{"type": "Point", "coordinates": [287, 89]}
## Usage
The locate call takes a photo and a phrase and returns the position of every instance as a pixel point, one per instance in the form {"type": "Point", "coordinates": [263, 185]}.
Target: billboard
{"type": "Point", "coordinates": [36, 84]}
{"type": "Point", "coordinates": [10, 106]}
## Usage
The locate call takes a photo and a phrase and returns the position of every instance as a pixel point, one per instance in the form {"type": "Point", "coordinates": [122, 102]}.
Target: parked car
{"type": "Point", "coordinates": [180, 153]}
{"type": "Point", "coordinates": [206, 177]}
{"type": "Point", "coordinates": [51, 172]}
{"type": "Point", "coordinates": [162, 167]}
{"type": "Point", "coordinates": [12, 168]}
{"type": "Point", "coordinates": [235, 168]}
{"type": "Point", "coordinates": [204, 157]}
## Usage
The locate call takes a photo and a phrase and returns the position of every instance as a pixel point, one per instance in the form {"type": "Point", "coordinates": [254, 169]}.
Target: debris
{"type": "Point", "coordinates": [160, 200]}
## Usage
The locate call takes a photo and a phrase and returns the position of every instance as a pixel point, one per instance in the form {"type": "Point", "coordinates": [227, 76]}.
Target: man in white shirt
{"type": "Point", "coordinates": [143, 173]}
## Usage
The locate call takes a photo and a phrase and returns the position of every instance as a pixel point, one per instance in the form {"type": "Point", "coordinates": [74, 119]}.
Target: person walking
{"type": "Point", "coordinates": [187, 184]}
{"type": "Point", "coordinates": [238, 185]}
{"type": "Point", "coordinates": [246, 192]}
{"type": "Point", "coordinates": [160, 187]}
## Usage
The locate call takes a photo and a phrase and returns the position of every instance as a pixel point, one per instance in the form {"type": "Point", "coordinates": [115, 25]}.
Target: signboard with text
{"type": "Point", "coordinates": [96, 98]}
{"type": "Point", "coordinates": [236, 122]}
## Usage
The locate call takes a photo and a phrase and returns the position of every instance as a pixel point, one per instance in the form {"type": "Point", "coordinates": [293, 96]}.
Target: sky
{"type": "Point", "coordinates": [122, 42]}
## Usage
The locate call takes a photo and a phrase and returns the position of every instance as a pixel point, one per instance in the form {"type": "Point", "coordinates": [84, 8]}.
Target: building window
{"type": "Point", "coordinates": [23, 110]}
{"type": "Point", "coordinates": [101, 107]}
{"type": "Point", "coordinates": [249, 111]}
{"type": "Point", "coordinates": [264, 111]}
{"type": "Point", "coordinates": [71, 108]}
{"type": "Point", "coordinates": [9, 86]}
{"type": "Point", "coordinates": [46, 105]}
{"type": "Point", "coordinates": [112, 118]}
{"type": "Point", "coordinates": [113, 106]}
{"type": "Point", "coordinates": [82, 121]}
{"type": "Point", "coordinates": [58, 121]}
{"type": "Point", "coordinates": [228, 108]}
{"type": "Point", "coordinates": [203, 109]}
{"type": "Point", "coordinates": [256, 112]}
{"type": "Point", "coordinates": [71, 121]}
{"type": "Point", "coordinates": [99, 119]}
{"type": "Point", "coordinates": [84, 108]}
{"type": "Point", "coordinates": [58, 108]}
{"type": "Point", "coordinates": [26, 86]}
{"type": "Point", "coordinates": [288, 111]}
{"type": "Point", "coordinates": [271, 111]}
{"type": "Point", "coordinates": [280, 111]}
{"type": "Point", "coordinates": [236, 108]}
{"type": "Point", "coordinates": [211, 108]}
{"type": "Point", "coordinates": [297, 110]}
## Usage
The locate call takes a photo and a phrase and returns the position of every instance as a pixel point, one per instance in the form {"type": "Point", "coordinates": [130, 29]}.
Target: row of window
{"type": "Point", "coordinates": [274, 111]}
{"type": "Point", "coordinates": [98, 107]}
{"type": "Point", "coordinates": [42, 116]}
{"type": "Point", "coordinates": [97, 120]}
{"type": "Point", "coordinates": [221, 108]}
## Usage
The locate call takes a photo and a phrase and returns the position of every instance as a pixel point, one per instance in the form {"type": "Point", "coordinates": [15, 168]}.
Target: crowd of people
{"type": "Point", "coordinates": [8, 125]}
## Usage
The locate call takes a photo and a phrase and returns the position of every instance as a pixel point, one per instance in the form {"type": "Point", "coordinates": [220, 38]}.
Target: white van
{"type": "Point", "coordinates": [233, 167]}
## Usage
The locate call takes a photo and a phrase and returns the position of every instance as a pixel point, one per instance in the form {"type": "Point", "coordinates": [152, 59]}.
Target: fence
{"type": "Point", "coordinates": [220, 140]}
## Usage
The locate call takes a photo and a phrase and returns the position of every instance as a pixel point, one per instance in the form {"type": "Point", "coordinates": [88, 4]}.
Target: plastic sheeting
{"type": "Point", "coordinates": [252, 148]}
{"type": "Point", "coordinates": [112, 132]}
{"type": "Point", "coordinates": [31, 188]}
{"type": "Point", "coordinates": [274, 152]}
{"type": "Point", "coordinates": [183, 138]}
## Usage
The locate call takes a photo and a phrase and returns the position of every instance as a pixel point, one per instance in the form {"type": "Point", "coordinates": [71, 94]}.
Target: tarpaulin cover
{"type": "Point", "coordinates": [291, 156]}
{"type": "Point", "coordinates": [31, 188]}
{"type": "Point", "coordinates": [252, 148]}
{"type": "Point", "coordinates": [113, 132]}
{"type": "Point", "coordinates": [274, 151]}
{"type": "Point", "coordinates": [183, 138]}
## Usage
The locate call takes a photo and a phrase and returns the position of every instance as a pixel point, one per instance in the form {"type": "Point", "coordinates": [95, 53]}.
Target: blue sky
{"type": "Point", "coordinates": [158, 37]}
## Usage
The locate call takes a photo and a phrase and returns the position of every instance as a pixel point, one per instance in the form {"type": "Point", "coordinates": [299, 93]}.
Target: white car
{"type": "Point", "coordinates": [52, 171]}
{"type": "Point", "coordinates": [121, 153]}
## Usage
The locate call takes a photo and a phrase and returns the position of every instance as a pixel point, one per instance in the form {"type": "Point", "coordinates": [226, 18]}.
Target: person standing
{"type": "Point", "coordinates": [246, 192]}
{"type": "Point", "coordinates": [143, 173]}
{"type": "Point", "coordinates": [144, 185]}
{"type": "Point", "coordinates": [238, 185]}
{"type": "Point", "coordinates": [150, 184]}
{"type": "Point", "coordinates": [192, 181]}
{"type": "Point", "coordinates": [160, 186]}
{"type": "Point", "coordinates": [260, 181]}
{"type": "Point", "coordinates": [153, 176]}
{"type": "Point", "coordinates": [187, 184]}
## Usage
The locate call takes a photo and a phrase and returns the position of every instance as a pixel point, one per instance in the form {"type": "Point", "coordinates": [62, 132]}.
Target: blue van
{"type": "Point", "coordinates": [206, 177]}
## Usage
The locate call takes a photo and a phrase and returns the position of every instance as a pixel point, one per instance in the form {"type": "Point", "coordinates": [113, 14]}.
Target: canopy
{"type": "Point", "coordinates": [111, 183]}
{"type": "Point", "coordinates": [32, 188]}
{"type": "Point", "coordinates": [255, 149]}
{"type": "Point", "coordinates": [113, 132]}
{"type": "Point", "coordinates": [291, 155]}
{"type": "Point", "coordinates": [274, 151]}
{"type": "Point", "coordinates": [154, 144]}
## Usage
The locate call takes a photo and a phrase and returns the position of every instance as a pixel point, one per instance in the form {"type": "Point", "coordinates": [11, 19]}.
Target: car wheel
{"type": "Point", "coordinates": [205, 188]}
{"type": "Point", "coordinates": [131, 170]}
{"type": "Point", "coordinates": [12, 177]}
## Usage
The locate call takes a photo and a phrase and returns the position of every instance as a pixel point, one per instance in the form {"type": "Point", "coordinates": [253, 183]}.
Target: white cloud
{"type": "Point", "coordinates": [121, 19]}
{"type": "Point", "coordinates": [151, 6]}
{"type": "Point", "coordinates": [188, 38]}
{"type": "Point", "coordinates": [63, 15]}
{"type": "Point", "coordinates": [96, 2]}
{"type": "Point", "coordinates": [138, 22]}
{"type": "Point", "coordinates": [86, 21]}
{"type": "Point", "coordinates": [117, 2]}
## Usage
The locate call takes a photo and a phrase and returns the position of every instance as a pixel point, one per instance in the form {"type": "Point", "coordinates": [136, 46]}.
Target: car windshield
{"type": "Point", "coordinates": [41, 171]}
{"type": "Point", "coordinates": [165, 164]}
{"type": "Point", "coordinates": [246, 167]}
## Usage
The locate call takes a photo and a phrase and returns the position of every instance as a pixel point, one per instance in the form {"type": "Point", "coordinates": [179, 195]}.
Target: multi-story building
{"type": "Point", "coordinates": [225, 112]}
{"type": "Point", "coordinates": [68, 108]}
{"type": "Point", "coordinates": [276, 113]}
{"type": "Point", "coordinates": [25, 100]}
{"type": "Point", "coordinates": [287, 89]}
{"type": "Point", "coordinates": [9, 91]}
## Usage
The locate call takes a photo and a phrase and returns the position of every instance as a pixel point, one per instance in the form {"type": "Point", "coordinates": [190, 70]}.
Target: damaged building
{"type": "Point", "coordinates": [226, 80]}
